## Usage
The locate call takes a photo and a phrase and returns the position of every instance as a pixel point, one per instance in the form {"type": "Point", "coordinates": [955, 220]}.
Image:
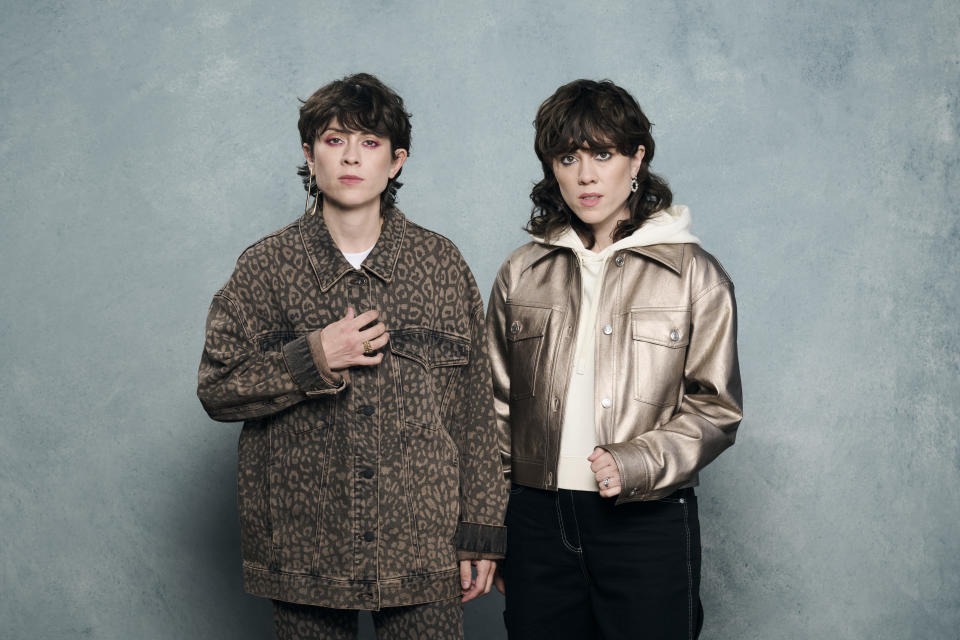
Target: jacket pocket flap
{"type": "Point", "coordinates": [429, 347]}
{"type": "Point", "coordinates": [665, 327]}
{"type": "Point", "coordinates": [525, 322]}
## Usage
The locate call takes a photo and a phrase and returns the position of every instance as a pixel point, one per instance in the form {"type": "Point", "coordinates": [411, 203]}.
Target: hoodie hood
{"type": "Point", "coordinates": [667, 226]}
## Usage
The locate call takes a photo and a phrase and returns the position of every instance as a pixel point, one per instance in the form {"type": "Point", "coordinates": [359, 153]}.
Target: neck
{"type": "Point", "coordinates": [603, 236]}
{"type": "Point", "coordinates": [352, 230]}
{"type": "Point", "coordinates": [601, 241]}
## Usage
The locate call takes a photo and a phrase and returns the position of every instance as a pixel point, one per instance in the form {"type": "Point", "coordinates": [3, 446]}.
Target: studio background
{"type": "Point", "coordinates": [145, 145]}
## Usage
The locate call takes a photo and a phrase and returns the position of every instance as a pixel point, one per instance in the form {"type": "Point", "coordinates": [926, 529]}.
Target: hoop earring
{"type": "Point", "coordinates": [316, 199]}
{"type": "Point", "coordinates": [634, 185]}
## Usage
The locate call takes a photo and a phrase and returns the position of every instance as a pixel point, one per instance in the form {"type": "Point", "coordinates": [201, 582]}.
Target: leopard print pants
{"type": "Point", "coordinates": [442, 620]}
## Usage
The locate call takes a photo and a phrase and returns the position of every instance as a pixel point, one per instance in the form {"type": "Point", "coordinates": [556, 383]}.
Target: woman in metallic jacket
{"type": "Point", "coordinates": [613, 344]}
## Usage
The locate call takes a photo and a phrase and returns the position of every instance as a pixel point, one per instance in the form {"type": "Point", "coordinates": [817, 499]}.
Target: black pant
{"type": "Point", "coordinates": [580, 567]}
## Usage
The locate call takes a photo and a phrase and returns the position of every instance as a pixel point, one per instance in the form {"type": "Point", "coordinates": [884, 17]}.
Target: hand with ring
{"type": "Point", "coordinates": [606, 472]}
{"type": "Point", "coordinates": [347, 344]}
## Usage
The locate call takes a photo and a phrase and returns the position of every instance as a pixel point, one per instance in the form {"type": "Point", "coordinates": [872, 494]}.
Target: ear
{"type": "Point", "coordinates": [399, 157]}
{"type": "Point", "coordinates": [637, 160]}
{"type": "Point", "coordinates": [308, 155]}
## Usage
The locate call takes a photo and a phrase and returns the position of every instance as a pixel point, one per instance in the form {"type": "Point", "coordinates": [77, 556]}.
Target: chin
{"type": "Point", "coordinates": [353, 200]}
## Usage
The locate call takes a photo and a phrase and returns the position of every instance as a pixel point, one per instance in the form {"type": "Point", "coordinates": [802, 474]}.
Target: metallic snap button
{"type": "Point", "coordinates": [606, 403]}
{"type": "Point", "coordinates": [619, 261]}
{"type": "Point", "coordinates": [549, 478]}
{"type": "Point", "coordinates": [556, 403]}
{"type": "Point", "coordinates": [607, 329]}
{"type": "Point", "coordinates": [674, 335]}
{"type": "Point", "coordinates": [362, 282]}
{"type": "Point", "coordinates": [515, 327]}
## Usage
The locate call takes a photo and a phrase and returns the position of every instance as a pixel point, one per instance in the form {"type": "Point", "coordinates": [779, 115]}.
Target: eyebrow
{"type": "Point", "coordinates": [348, 132]}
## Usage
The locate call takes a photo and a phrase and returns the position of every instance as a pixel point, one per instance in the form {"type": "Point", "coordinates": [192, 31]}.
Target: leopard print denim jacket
{"type": "Point", "coordinates": [360, 491]}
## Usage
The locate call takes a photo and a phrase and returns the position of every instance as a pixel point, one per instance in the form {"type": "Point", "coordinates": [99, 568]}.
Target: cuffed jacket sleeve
{"type": "Point", "coordinates": [661, 460]}
{"type": "Point", "coordinates": [483, 493]}
{"type": "Point", "coordinates": [497, 343]}
{"type": "Point", "coordinates": [238, 380]}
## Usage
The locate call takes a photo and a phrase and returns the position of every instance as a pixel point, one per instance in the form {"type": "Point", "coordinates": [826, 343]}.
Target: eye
{"type": "Point", "coordinates": [567, 160]}
{"type": "Point", "coordinates": [371, 144]}
{"type": "Point", "coordinates": [334, 141]}
{"type": "Point", "coordinates": [604, 156]}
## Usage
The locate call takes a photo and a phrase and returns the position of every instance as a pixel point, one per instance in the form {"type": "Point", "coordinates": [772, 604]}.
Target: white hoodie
{"type": "Point", "coordinates": [579, 434]}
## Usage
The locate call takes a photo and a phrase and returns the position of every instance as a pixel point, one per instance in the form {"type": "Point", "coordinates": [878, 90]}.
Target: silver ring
{"type": "Point", "coordinates": [606, 482]}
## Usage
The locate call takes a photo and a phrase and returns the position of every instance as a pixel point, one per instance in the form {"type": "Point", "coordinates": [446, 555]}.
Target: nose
{"type": "Point", "coordinates": [351, 153]}
{"type": "Point", "coordinates": [586, 172]}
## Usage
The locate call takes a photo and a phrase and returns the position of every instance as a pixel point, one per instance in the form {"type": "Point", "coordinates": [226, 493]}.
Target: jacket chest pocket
{"type": "Point", "coordinates": [526, 327]}
{"type": "Point", "coordinates": [660, 339]}
{"type": "Point", "coordinates": [426, 362]}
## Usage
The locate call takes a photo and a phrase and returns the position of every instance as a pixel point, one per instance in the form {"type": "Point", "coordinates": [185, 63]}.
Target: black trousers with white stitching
{"type": "Point", "coordinates": [580, 567]}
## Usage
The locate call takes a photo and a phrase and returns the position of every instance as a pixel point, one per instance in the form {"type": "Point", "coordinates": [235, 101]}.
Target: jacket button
{"type": "Point", "coordinates": [365, 409]}
{"type": "Point", "coordinates": [619, 261]}
{"type": "Point", "coordinates": [366, 473]}
{"type": "Point", "coordinates": [674, 335]}
{"type": "Point", "coordinates": [362, 282]}
{"type": "Point", "coordinates": [369, 537]}
{"type": "Point", "coordinates": [515, 327]}
{"type": "Point", "coordinates": [607, 329]}
{"type": "Point", "coordinates": [606, 403]}
{"type": "Point", "coordinates": [556, 403]}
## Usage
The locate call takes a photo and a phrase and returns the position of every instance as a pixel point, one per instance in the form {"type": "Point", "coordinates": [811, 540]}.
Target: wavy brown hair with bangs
{"type": "Point", "coordinates": [586, 114]}
{"type": "Point", "coordinates": [359, 102]}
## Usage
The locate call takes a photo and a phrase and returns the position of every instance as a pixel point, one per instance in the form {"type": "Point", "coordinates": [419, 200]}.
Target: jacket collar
{"type": "Point", "coordinates": [328, 261]}
{"type": "Point", "coordinates": [669, 255]}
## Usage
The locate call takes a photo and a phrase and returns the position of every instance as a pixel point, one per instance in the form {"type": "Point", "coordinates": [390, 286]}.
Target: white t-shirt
{"type": "Point", "coordinates": [356, 259]}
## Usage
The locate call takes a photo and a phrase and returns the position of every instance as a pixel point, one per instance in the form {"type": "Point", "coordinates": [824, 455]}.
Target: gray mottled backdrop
{"type": "Point", "coordinates": [145, 144]}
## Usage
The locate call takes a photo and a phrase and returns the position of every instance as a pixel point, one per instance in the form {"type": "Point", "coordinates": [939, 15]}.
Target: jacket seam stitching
{"type": "Point", "coordinates": [238, 311]}
{"type": "Point", "coordinates": [709, 289]}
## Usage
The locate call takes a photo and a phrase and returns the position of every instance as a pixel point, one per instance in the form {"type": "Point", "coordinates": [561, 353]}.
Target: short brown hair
{"type": "Point", "coordinates": [359, 102]}
{"type": "Point", "coordinates": [586, 114]}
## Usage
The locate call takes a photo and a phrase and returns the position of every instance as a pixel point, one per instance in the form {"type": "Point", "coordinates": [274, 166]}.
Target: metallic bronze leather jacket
{"type": "Point", "coordinates": [668, 397]}
{"type": "Point", "coordinates": [357, 493]}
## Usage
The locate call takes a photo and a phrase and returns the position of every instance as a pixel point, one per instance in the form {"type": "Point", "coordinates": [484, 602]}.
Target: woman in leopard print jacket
{"type": "Point", "coordinates": [351, 343]}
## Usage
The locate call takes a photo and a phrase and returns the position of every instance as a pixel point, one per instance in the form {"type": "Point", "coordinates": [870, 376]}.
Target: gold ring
{"type": "Point", "coordinates": [367, 349]}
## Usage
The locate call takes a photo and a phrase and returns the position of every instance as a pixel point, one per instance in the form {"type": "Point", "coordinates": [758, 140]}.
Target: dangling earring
{"type": "Point", "coordinates": [634, 185]}
{"type": "Point", "coordinates": [316, 199]}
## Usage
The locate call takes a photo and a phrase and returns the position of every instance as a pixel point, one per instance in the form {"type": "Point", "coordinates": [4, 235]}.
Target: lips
{"type": "Point", "coordinates": [350, 179]}
{"type": "Point", "coordinates": [589, 199]}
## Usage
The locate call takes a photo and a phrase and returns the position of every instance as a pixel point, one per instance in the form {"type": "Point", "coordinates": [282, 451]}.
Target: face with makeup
{"type": "Point", "coordinates": [352, 167]}
{"type": "Point", "coordinates": [595, 184]}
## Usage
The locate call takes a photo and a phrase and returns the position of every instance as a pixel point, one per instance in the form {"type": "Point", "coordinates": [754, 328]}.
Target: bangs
{"type": "Point", "coordinates": [368, 120]}
{"type": "Point", "coordinates": [359, 108]}
{"type": "Point", "coordinates": [581, 131]}
{"type": "Point", "coordinates": [592, 116]}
